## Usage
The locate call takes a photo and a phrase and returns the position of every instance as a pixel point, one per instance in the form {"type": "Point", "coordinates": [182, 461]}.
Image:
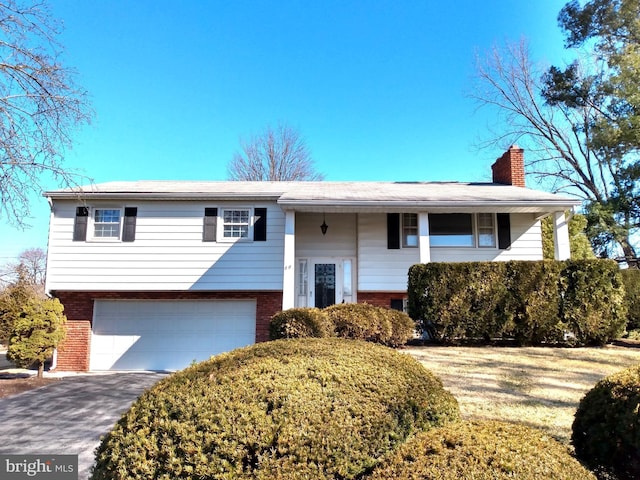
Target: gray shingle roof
{"type": "Point", "coordinates": [327, 196]}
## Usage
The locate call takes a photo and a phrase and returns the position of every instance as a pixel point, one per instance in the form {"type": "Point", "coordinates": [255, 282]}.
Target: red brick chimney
{"type": "Point", "coordinates": [509, 168]}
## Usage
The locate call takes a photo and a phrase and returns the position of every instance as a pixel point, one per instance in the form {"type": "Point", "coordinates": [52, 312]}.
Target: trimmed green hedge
{"type": "Point", "coordinates": [606, 429]}
{"type": "Point", "coordinates": [631, 279]}
{"type": "Point", "coordinates": [294, 409]}
{"type": "Point", "coordinates": [482, 451]}
{"type": "Point", "coordinates": [357, 321]}
{"type": "Point", "coordinates": [574, 302]}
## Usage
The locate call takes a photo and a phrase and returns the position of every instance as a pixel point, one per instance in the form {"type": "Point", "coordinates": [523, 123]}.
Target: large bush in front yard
{"type": "Point", "coordinates": [403, 328]}
{"type": "Point", "coordinates": [631, 279]}
{"type": "Point", "coordinates": [298, 408]}
{"type": "Point", "coordinates": [481, 451]}
{"type": "Point", "coordinates": [459, 300]}
{"type": "Point", "coordinates": [578, 302]}
{"type": "Point", "coordinates": [360, 321]}
{"type": "Point", "coordinates": [300, 323]}
{"type": "Point", "coordinates": [533, 302]}
{"type": "Point", "coordinates": [606, 429]}
{"type": "Point", "coordinates": [593, 304]}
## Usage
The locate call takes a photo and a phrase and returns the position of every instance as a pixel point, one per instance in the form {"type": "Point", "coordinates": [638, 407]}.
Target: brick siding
{"type": "Point", "coordinates": [509, 168]}
{"type": "Point", "coordinates": [73, 352]}
{"type": "Point", "coordinates": [380, 299]}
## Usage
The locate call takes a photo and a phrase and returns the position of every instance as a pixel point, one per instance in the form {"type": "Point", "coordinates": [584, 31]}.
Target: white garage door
{"type": "Point", "coordinates": [167, 335]}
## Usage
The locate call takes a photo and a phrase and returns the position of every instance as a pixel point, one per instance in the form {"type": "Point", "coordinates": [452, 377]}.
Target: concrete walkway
{"type": "Point", "coordinates": [69, 416]}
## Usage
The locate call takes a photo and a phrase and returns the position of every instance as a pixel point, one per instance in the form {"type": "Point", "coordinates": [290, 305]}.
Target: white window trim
{"type": "Point", "coordinates": [403, 237]}
{"type": "Point", "coordinates": [91, 234]}
{"type": "Point", "coordinates": [476, 235]}
{"type": "Point", "coordinates": [220, 224]}
{"type": "Point", "coordinates": [494, 221]}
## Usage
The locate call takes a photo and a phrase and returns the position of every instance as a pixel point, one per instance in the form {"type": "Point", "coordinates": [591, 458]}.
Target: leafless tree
{"type": "Point", "coordinates": [29, 269]}
{"type": "Point", "coordinates": [557, 137]}
{"type": "Point", "coordinates": [40, 107]}
{"type": "Point", "coordinates": [276, 154]}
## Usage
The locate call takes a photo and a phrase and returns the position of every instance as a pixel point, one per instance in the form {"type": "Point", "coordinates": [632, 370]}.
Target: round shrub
{"type": "Point", "coordinates": [403, 328]}
{"type": "Point", "coordinates": [298, 408]}
{"type": "Point", "coordinates": [482, 451]}
{"type": "Point", "coordinates": [606, 428]}
{"type": "Point", "coordinates": [360, 321]}
{"type": "Point", "coordinates": [300, 323]}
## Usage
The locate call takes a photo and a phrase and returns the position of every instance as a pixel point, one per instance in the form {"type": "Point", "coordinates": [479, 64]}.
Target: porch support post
{"type": "Point", "coordinates": [560, 237]}
{"type": "Point", "coordinates": [289, 277]}
{"type": "Point", "coordinates": [423, 238]}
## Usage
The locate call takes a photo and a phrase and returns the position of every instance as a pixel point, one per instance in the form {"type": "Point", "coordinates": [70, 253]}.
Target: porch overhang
{"type": "Point", "coordinates": [345, 206]}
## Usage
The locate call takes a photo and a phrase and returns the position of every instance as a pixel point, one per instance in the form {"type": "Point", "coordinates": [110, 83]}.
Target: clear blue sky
{"type": "Point", "coordinates": [377, 88]}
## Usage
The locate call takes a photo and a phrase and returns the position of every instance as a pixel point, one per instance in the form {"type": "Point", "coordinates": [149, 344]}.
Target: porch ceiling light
{"type": "Point", "coordinates": [324, 226]}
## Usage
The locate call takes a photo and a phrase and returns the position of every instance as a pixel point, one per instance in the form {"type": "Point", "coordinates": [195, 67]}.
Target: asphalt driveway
{"type": "Point", "coordinates": [69, 416]}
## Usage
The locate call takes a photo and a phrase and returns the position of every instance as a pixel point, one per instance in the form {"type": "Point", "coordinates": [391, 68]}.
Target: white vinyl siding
{"type": "Point", "coordinates": [381, 269]}
{"type": "Point", "coordinates": [168, 253]}
{"type": "Point", "coordinates": [339, 241]}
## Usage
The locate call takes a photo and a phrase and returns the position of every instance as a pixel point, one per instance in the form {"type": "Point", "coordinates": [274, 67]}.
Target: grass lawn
{"type": "Point", "coordinates": [535, 386]}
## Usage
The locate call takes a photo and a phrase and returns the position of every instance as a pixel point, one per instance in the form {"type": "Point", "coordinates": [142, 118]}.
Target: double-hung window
{"type": "Point", "coordinates": [236, 223]}
{"type": "Point", "coordinates": [409, 230]}
{"type": "Point", "coordinates": [106, 223]}
{"type": "Point", "coordinates": [462, 230]}
{"type": "Point", "coordinates": [486, 230]}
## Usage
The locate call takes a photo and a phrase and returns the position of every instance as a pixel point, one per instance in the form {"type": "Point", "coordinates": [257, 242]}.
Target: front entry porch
{"type": "Point", "coordinates": [324, 281]}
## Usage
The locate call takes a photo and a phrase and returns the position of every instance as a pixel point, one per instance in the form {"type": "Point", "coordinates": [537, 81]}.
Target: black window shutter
{"type": "Point", "coordinates": [80, 224]}
{"type": "Point", "coordinates": [393, 231]}
{"type": "Point", "coordinates": [260, 225]}
{"type": "Point", "coordinates": [210, 224]}
{"type": "Point", "coordinates": [129, 228]}
{"type": "Point", "coordinates": [504, 231]}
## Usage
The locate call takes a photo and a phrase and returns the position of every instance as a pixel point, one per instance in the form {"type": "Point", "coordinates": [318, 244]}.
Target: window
{"type": "Point", "coordinates": [106, 223]}
{"type": "Point", "coordinates": [457, 230]}
{"type": "Point", "coordinates": [486, 230]}
{"type": "Point", "coordinates": [451, 230]}
{"type": "Point", "coordinates": [236, 223]}
{"type": "Point", "coordinates": [410, 230]}
{"type": "Point", "coordinates": [302, 277]}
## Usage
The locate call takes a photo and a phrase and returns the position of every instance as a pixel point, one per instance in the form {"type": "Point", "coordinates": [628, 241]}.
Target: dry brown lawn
{"type": "Point", "coordinates": [535, 386]}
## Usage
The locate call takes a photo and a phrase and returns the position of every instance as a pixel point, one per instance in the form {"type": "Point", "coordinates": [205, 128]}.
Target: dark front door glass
{"type": "Point", "coordinates": [325, 284]}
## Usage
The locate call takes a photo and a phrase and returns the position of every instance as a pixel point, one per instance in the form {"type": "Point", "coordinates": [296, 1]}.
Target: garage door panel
{"type": "Point", "coordinates": [167, 335]}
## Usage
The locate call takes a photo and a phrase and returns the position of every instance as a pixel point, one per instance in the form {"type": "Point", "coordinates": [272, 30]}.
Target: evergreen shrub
{"type": "Point", "coordinates": [575, 302]}
{"type": "Point", "coordinates": [631, 280]}
{"type": "Point", "coordinates": [294, 409]}
{"type": "Point", "coordinates": [403, 328]}
{"type": "Point", "coordinates": [357, 321]}
{"type": "Point", "coordinates": [606, 428]}
{"type": "Point", "coordinates": [485, 450]}
{"type": "Point", "coordinates": [361, 321]}
{"type": "Point", "coordinates": [532, 302]}
{"type": "Point", "coordinates": [593, 304]}
{"type": "Point", "coordinates": [300, 323]}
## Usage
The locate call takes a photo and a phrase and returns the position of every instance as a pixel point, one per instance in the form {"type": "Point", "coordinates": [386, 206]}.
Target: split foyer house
{"type": "Point", "coordinates": [156, 274]}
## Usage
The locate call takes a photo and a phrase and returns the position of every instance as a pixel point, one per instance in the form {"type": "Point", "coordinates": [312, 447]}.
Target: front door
{"type": "Point", "coordinates": [330, 281]}
{"type": "Point", "coordinates": [325, 284]}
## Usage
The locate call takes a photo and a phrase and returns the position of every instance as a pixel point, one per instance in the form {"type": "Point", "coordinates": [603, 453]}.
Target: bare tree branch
{"type": "Point", "coordinates": [276, 154]}
{"type": "Point", "coordinates": [40, 107]}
